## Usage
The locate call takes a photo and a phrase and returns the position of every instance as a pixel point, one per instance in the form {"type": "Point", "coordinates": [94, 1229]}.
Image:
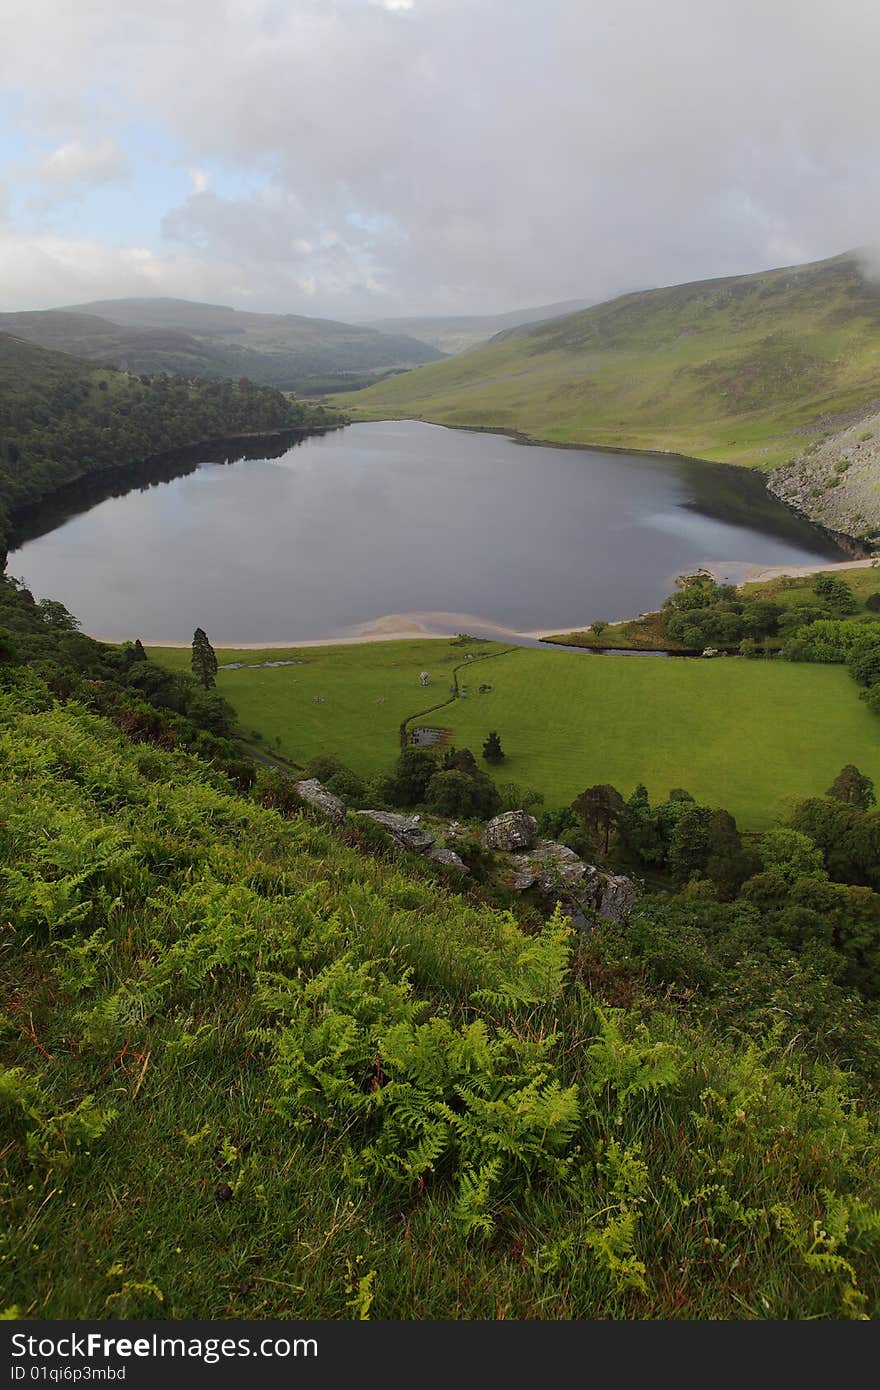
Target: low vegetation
{"type": "Point", "coordinates": [255, 1068]}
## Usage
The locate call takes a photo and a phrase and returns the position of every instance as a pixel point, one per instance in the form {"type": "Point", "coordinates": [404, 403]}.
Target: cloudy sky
{"type": "Point", "coordinates": [358, 158]}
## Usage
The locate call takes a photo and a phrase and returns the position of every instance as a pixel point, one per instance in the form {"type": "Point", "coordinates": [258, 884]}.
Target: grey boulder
{"type": "Point", "coordinates": [560, 875]}
{"type": "Point", "coordinates": [315, 794]}
{"type": "Point", "coordinates": [410, 834]}
{"type": "Point", "coordinates": [509, 832]}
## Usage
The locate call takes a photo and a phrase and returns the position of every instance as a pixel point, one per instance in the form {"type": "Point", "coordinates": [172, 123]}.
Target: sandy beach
{"type": "Point", "coordinates": [398, 627]}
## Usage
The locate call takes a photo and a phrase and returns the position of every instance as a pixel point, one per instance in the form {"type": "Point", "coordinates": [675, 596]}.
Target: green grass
{"type": "Point", "coordinates": [727, 369]}
{"type": "Point", "coordinates": [794, 591]}
{"type": "Point", "coordinates": [367, 690]}
{"type": "Point", "coordinates": [196, 995]}
{"type": "Point", "coordinates": [752, 736]}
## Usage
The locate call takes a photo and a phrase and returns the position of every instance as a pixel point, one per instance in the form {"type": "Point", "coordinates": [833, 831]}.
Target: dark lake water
{"type": "Point", "coordinates": [405, 518]}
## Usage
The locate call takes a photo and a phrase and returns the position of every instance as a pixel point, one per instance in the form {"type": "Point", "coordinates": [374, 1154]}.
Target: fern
{"type": "Point", "coordinates": [472, 1208]}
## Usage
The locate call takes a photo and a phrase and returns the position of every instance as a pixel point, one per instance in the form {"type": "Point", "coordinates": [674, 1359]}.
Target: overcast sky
{"type": "Point", "coordinates": [356, 158]}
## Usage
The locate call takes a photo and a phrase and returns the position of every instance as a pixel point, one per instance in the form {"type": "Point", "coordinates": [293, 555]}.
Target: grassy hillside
{"type": "Point", "coordinates": [457, 332]}
{"type": "Point", "coordinates": [288, 351]}
{"type": "Point", "coordinates": [255, 1070]}
{"type": "Point", "coordinates": [62, 419]}
{"type": "Point", "coordinates": [730, 369]}
{"type": "Point", "coordinates": [753, 737]}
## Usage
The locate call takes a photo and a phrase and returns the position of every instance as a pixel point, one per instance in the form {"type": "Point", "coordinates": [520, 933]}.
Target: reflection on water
{"type": "Point", "coordinates": [403, 517]}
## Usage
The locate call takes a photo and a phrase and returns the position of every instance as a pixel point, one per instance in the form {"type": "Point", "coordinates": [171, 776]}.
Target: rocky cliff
{"type": "Point", "coordinates": [836, 481]}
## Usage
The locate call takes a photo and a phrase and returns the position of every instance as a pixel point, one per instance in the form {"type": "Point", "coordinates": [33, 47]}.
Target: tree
{"type": "Point", "coordinates": [853, 788]}
{"type": "Point", "coordinates": [492, 750]}
{"type": "Point", "coordinates": [452, 792]}
{"type": "Point", "coordinates": [598, 627]}
{"type": "Point", "coordinates": [641, 830]}
{"type": "Point", "coordinates": [600, 808]}
{"type": "Point", "coordinates": [864, 664]}
{"type": "Point", "coordinates": [56, 616]}
{"type": "Point", "coordinates": [836, 594]}
{"type": "Point", "coordinates": [8, 646]}
{"type": "Point", "coordinates": [414, 769]}
{"type": "Point", "coordinates": [459, 760]}
{"type": "Point", "coordinates": [791, 854]}
{"type": "Point", "coordinates": [204, 661]}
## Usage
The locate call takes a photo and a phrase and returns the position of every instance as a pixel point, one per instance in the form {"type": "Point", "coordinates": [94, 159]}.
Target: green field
{"type": "Point", "coordinates": [726, 369]}
{"type": "Point", "coordinates": [753, 736]}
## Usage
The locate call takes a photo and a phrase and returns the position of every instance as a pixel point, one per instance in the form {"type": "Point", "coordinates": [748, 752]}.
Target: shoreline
{"type": "Point", "coordinates": [842, 539]}
{"type": "Point", "coordinates": [439, 627]}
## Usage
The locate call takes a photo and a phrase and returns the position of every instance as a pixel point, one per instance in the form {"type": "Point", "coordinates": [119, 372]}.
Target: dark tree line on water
{"type": "Point", "coordinates": [56, 431]}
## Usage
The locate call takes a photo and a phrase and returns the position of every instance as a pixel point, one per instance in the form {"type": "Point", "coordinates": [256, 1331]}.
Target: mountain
{"type": "Point", "coordinates": [288, 351]}
{"type": "Point", "coordinates": [737, 369]}
{"type": "Point", "coordinates": [457, 333]}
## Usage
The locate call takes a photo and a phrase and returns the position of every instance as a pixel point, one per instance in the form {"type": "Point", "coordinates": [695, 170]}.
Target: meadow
{"type": "Point", "coordinates": [752, 736]}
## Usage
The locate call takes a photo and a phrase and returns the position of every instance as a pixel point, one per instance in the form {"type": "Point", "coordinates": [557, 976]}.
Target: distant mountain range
{"type": "Point", "coordinates": [742, 369]}
{"type": "Point", "coordinates": [457, 333]}
{"type": "Point", "coordinates": [289, 351]}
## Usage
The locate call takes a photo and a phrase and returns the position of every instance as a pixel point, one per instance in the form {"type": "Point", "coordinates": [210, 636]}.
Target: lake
{"type": "Point", "coordinates": [462, 530]}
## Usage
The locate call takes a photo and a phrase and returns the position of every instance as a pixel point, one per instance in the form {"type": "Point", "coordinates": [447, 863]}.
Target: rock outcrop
{"type": "Point", "coordinates": [315, 794]}
{"type": "Point", "coordinates": [559, 875]}
{"type": "Point", "coordinates": [410, 834]}
{"type": "Point", "coordinates": [509, 832]}
{"type": "Point", "coordinates": [836, 481]}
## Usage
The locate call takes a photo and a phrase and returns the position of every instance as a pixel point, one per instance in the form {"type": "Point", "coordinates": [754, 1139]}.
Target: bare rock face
{"type": "Point", "coordinates": [407, 832]}
{"type": "Point", "coordinates": [584, 891]}
{"type": "Point", "coordinates": [618, 898]}
{"type": "Point", "coordinates": [549, 867]}
{"type": "Point", "coordinates": [510, 832]}
{"type": "Point", "coordinates": [315, 794]}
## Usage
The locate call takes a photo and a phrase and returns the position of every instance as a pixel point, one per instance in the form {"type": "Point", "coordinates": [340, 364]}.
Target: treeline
{"type": "Point", "coordinates": [702, 613]}
{"type": "Point", "coordinates": [62, 420]}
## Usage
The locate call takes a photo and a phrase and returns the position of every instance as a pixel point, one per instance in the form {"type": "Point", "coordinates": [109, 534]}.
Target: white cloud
{"type": "Point", "coordinates": [477, 156]}
{"type": "Point", "coordinates": [75, 165]}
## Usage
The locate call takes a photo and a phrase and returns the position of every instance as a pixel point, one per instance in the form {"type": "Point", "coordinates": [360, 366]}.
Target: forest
{"type": "Point", "coordinates": [62, 420]}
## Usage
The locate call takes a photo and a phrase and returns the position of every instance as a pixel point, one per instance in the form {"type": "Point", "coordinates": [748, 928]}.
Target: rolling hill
{"type": "Point", "coordinates": [457, 332]}
{"type": "Point", "coordinates": [288, 351]}
{"type": "Point", "coordinates": [736, 370]}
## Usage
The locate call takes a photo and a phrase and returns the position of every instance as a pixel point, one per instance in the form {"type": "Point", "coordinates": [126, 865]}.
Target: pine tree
{"type": "Point", "coordinates": [204, 661]}
{"type": "Point", "coordinates": [492, 750]}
